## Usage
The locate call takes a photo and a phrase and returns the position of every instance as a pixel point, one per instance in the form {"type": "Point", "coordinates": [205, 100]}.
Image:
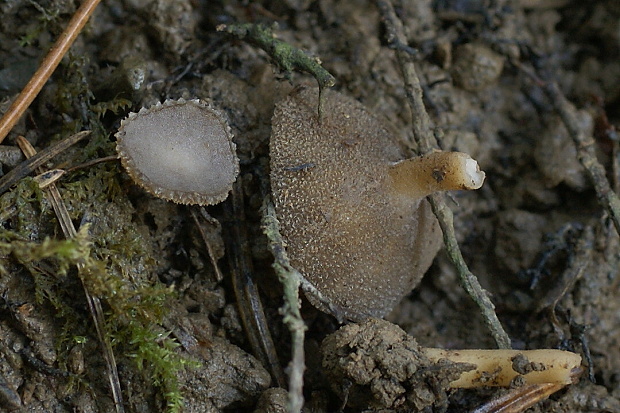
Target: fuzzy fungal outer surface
{"type": "Point", "coordinates": [360, 243]}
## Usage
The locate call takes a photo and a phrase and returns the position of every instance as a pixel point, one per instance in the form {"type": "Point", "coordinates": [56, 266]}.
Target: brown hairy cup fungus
{"type": "Point", "coordinates": [180, 150]}
{"type": "Point", "coordinates": [351, 207]}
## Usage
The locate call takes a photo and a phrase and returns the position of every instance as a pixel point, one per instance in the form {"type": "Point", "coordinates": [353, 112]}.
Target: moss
{"type": "Point", "coordinates": [115, 263]}
{"type": "Point", "coordinates": [47, 17]}
{"type": "Point", "coordinates": [21, 210]}
{"type": "Point", "coordinates": [115, 106]}
{"type": "Point", "coordinates": [74, 98]}
{"type": "Point", "coordinates": [155, 354]}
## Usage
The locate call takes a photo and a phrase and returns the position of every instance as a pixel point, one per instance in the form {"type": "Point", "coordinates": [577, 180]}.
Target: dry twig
{"type": "Point", "coordinates": [27, 167]}
{"type": "Point", "coordinates": [585, 144]}
{"type": "Point", "coordinates": [47, 67]}
{"type": "Point", "coordinates": [291, 281]}
{"type": "Point", "coordinates": [586, 151]}
{"type": "Point", "coordinates": [426, 142]}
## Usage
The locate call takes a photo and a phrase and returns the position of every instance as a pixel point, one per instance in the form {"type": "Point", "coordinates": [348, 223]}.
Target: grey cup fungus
{"type": "Point", "coordinates": [351, 207]}
{"type": "Point", "coordinates": [180, 150]}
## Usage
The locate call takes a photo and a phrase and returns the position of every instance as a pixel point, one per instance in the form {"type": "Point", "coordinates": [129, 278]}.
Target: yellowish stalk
{"type": "Point", "coordinates": [501, 367]}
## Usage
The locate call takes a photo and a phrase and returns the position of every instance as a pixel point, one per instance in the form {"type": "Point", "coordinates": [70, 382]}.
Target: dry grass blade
{"type": "Point", "coordinates": [47, 67]}
{"type": "Point", "coordinates": [246, 292]}
{"type": "Point", "coordinates": [520, 399]}
{"type": "Point", "coordinates": [47, 178]}
{"type": "Point", "coordinates": [93, 302]}
{"type": "Point", "coordinates": [426, 142]}
{"type": "Point", "coordinates": [34, 162]}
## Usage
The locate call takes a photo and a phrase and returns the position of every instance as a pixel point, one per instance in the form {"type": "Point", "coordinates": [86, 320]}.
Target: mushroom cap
{"type": "Point", "coordinates": [362, 245]}
{"type": "Point", "coordinates": [180, 150]}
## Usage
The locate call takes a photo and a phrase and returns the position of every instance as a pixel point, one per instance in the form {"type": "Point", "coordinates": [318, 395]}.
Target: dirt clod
{"type": "Point", "coordinates": [377, 364]}
{"type": "Point", "coordinates": [476, 67]}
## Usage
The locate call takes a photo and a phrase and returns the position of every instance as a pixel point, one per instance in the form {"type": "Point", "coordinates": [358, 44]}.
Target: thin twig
{"type": "Point", "coordinates": [93, 162]}
{"type": "Point", "coordinates": [94, 304]}
{"type": "Point", "coordinates": [468, 279]}
{"type": "Point", "coordinates": [47, 67]}
{"type": "Point", "coordinates": [426, 142]}
{"type": "Point", "coordinates": [586, 152]}
{"type": "Point", "coordinates": [585, 144]}
{"type": "Point", "coordinates": [291, 281]}
{"type": "Point", "coordinates": [27, 167]}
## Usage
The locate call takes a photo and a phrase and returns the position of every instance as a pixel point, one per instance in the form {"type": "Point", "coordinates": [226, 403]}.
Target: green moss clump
{"type": "Point", "coordinates": [114, 261]}
{"type": "Point", "coordinates": [155, 353]}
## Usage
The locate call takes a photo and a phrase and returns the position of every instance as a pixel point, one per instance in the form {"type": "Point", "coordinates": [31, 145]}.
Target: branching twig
{"type": "Point", "coordinates": [291, 281]}
{"type": "Point", "coordinates": [288, 57]}
{"type": "Point", "coordinates": [47, 67]}
{"type": "Point", "coordinates": [426, 142]}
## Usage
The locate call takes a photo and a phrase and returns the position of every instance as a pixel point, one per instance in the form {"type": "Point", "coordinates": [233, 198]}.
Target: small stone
{"type": "Point", "coordinates": [476, 66]}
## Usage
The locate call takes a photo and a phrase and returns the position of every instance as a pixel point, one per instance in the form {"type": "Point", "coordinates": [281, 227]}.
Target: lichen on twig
{"type": "Point", "coordinates": [286, 56]}
{"type": "Point", "coordinates": [426, 142]}
{"type": "Point", "coordinates": [291, 281]}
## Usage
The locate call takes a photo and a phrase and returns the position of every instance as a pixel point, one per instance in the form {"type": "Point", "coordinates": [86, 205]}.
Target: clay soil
{"type": "Point", "coordinates": [535, 234]}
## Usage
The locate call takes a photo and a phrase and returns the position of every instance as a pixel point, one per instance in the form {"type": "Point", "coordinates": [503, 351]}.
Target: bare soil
{"type": "Point", "coordinates": [535, 234]}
